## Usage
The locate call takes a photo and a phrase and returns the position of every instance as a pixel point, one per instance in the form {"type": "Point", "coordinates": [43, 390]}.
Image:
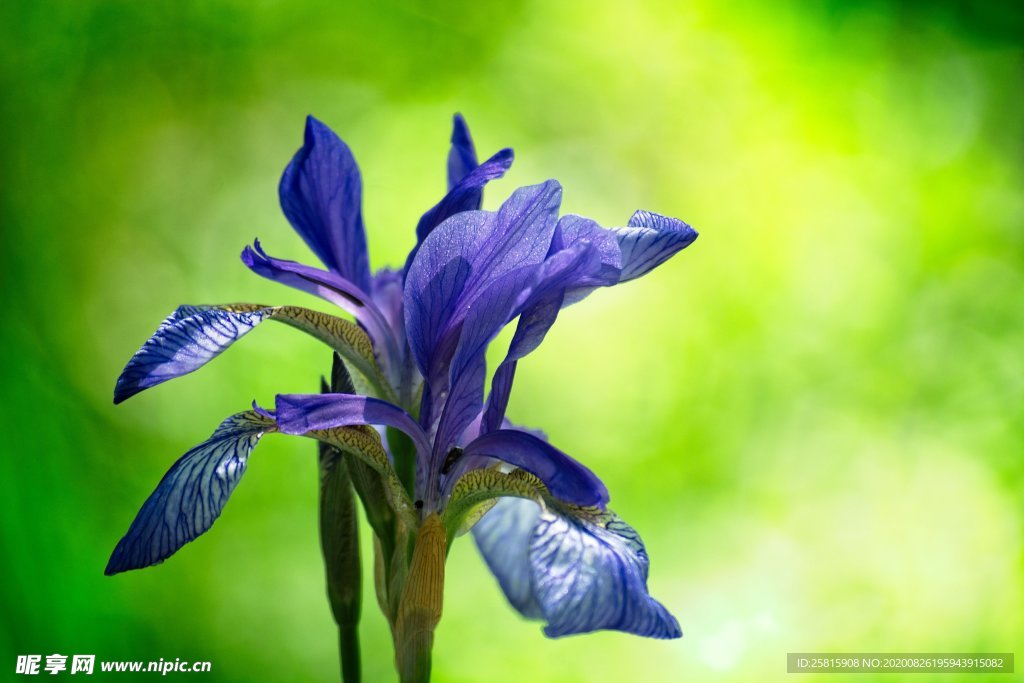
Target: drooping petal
{"type": "Point", "coordinates": [321, 195]}
{"type": "Point", "coordinates": [590, 573]}
{"type": "Point", "coordinates": [566, 478]}
{"type": "Point", "coordinates": [191, 495]}
{"type": "Point", "coordinates": [622, 254]}
{"type": "Point", "coordinates": [587, 571]}
{"type": "Point", "coordinates": [503, 537]}
{"type": "Point", "coordinates": [565, 269]}
{"type": "Point", "coordinates": [194, 335]}
{"type": "Point", "coordinates": [457, 263]}
{"type": "Point", "coordinates": [649, 240]}
{"type": "Point", "coordinates": [462, 155]}
{"type": "Point", "coordinates": [302, 413]}
{"type": "Point", "coordinates": [331, 287]}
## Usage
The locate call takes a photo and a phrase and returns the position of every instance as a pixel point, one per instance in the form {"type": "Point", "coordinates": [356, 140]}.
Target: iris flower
{"type": "Point", "coordinates": [407, 422]}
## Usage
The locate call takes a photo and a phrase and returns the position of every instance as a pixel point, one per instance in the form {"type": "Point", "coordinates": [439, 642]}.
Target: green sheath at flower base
{"type": "Point", "coordinates": [422, 598]}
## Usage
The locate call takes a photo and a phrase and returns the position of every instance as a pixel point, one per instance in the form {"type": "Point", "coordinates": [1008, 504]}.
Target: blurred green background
{"type": "Point", "coordinates": [814, 416]}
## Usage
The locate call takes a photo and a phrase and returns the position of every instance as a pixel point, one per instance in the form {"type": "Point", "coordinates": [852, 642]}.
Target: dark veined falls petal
{"type": "Point", "coordinates": [578, 570]}
{"type": "Point", "coordinates": [566, 478]}
{"type": "Point", "coordinates": [321, 195]}
{"type": "Point", "coordinates": [589, 573]}
{"type": "Point", "coordinates": [191, 495]}
{"type": "Point", "coordinates": [503, 537]}
{"type": "Point", "coordinates": [194, 335]}
{"type": "Point", "coordinates": [462, 155]}
{"type": "Point", "coordinates": [649, 240]}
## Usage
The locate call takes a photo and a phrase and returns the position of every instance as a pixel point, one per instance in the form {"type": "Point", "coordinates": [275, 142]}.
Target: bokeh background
{"type": "Point", "coordinates": [815, 415]}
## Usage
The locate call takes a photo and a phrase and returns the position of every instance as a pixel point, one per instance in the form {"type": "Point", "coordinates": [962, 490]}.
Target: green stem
{"type": "Point", "coordinates": [348, 646]}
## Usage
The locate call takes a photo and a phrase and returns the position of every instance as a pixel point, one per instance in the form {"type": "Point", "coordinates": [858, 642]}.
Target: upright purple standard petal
{"type": "Point", "coordinates": [622, 254]}
{"type": "Point", "coordinates": [191, 495]}
{"type": "Point", "coordinates": [576, 570]}
{"type": "Point", "coordinates": [462, 156]}
{"type": "Point", "coordinates": [321, 195]}
{"type": "Point", "coordinates": [467, 195]}
{"type": "Point", "coordinates": [458, 262]}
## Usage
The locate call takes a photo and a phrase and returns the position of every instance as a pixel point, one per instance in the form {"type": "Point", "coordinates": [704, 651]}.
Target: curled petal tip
{"type": "Point", "coordinates": [269, 414]}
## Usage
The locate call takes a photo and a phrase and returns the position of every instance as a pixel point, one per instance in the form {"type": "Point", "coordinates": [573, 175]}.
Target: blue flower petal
{"type": "Point", "coordinates": [567, 268]}
{"type": "Point", "coordinates": [321, 195]}
{"type": "Point", "coordinates": [462, 156]}
{"type": "Point", "coordinates": [458, 263]}
{"type": "Point", "coordinates": [467, 195]}
{"type": "Point", "coordinates": [302, 413]}
{"type": "Point", "coordinates": [621, 254]}
{"type": "Point", "coordinates": [332, 287]}
{"type": "Point", "coordinates": [503, 537]}
{"type": "Point", "coordinates": [188, 339]}
{"type": "Point", "coordinates": [590, 573]}
{"type": "Point", "coordinates": [587, 571]}
{"type": "Point", "coordinates": [566, 478]}
{"type": "Point", "coordinates": [191, 495]}
{"type": "Point", "coordinates": [649, 241]}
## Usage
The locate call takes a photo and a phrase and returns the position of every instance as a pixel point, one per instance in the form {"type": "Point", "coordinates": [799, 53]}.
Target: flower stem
{"type": "Point", "coordinates": [348, 648]}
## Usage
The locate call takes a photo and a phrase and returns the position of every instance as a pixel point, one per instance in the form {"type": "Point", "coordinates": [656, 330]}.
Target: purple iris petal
{"type": "Point", "coordinates": [462, 155]}
{"type": "Point", "coordinates": [574, 229]}
{"type": "Point", "coordinates": [649, 240]}
{"type": "Point", "coordinates": [623, 254]}
{"type": "Point", "coordinates": [386, 292]}
{"type": "Point", "coordinates": [578, 572]}
{"type": "Point", "coordinates": [301, 413]}
{"type": "Point", "coordinates": [465, 196]}
{"type": "Point", "coordinates": [467, 368]}
{"type": "Point", "coordinates": [187, 340]}
{"type": "Point", "coordinates": [565, 478]}
{"type": "Point", "coordinates": [503, 537]}
{"type": "Point", "coordinates": [457, 263]}
{"type": "Point", "coordinates": [191, 495]}
{"type": "Point", "coordinates": [321, 195]}
{"type": "Point", "coordinates": [330, 286]}
{"type": "Point", "coordinates": [568, 267]}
